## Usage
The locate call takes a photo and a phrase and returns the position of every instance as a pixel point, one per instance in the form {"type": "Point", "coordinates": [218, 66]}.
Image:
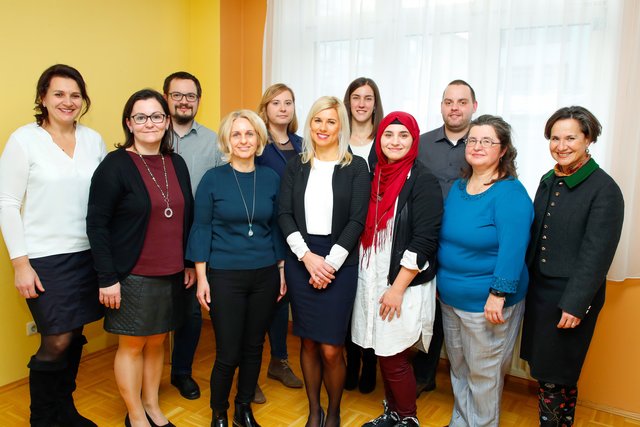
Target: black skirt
{"type": "Point", "coordinates": [70, 297]}
{"type": "Point", "coordinates": [148, 306]}
{"type": "Point", "coordinates": [555, 355]}
{"type": "Point", "coordinates": [321, 315]}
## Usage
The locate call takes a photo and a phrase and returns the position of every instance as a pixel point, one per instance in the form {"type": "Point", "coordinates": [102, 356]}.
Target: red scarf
{"type": "Point", "coordinates": [388, 180]}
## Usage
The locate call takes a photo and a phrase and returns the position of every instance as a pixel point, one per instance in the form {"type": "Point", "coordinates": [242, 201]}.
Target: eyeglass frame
{"type": "Point", "coordinates": [147, 118]}
{"type": "Point", "coordinates": [173, 96]}
{"type": "Point", "coordinates": [484, 142]}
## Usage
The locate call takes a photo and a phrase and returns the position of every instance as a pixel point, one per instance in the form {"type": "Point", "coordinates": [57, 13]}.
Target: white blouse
{"type": "Point", "coordinates": [318, 209]}
{"type": "Point", "coordinates": [44, 192]}
{"type": "Point", "coordinates": [363, 151]}
{"type": "Point", "coordinates": [415, 324]}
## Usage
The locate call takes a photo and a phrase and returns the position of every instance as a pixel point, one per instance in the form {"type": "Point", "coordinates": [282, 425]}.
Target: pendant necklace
{"type": "Point", "coordinates": [168, 212]}
{"type": "Point", "coordinates": [253, 208]}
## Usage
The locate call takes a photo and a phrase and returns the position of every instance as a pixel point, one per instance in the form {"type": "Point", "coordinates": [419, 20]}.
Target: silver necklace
{"type": "Point", "coordinates": [253, 208]}
{"type": "Point", "coordinates": [168, 212]}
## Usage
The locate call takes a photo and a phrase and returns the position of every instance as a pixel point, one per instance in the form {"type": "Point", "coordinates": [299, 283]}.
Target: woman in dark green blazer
{"type": "Point", "coordinates": [579, 211]}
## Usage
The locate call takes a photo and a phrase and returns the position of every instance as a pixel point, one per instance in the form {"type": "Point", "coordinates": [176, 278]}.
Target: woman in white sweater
{"type": "Point", "coordinates": [45, 172]}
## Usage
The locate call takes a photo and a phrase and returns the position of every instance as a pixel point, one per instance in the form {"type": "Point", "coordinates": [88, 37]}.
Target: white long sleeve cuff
{"type": "Point", "coordinates": [297, 244]}
{"type": "Point", "coordinates": [410, 261]}
{"type": "Point", "coordinates": [337, 256]}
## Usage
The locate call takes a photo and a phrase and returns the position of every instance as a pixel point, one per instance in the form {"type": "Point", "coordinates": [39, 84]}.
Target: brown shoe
{"type": "Point", "coordinates": [259, 397]}
{"type": "Point", "coordinates": [280, 370]}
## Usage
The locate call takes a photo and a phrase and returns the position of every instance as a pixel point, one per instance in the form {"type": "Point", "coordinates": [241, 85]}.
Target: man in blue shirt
{"type": "Point", "coordinates": [442, 151]}
{"type": "Point", "coordinates": [198, 146]}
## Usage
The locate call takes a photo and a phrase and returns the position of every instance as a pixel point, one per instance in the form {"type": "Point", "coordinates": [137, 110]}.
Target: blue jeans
{"type": "Point", "coordinates": [279, 328]}
{"type": "Point", "coordinates": [186, 337]}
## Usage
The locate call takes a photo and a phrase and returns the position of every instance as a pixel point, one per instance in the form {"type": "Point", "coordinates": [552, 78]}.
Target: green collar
{"type": "Point", "coordinates": [577, 177]}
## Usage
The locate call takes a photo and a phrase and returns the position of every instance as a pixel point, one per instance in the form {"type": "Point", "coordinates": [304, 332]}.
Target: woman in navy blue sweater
{"type": "Point", "coordinates": [238, 250]}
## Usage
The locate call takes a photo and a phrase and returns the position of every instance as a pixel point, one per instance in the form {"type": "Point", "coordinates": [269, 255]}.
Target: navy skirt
{"type": "Point", "coordinates": [321, 315]}
{"type": "Point", "coordinates": [70, 297]}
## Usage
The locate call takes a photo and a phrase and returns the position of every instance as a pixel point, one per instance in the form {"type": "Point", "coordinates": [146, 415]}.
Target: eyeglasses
{"type": "Point", "coordinates": [485, 142]}
{"type": "Point", "coordinates": [177, 96]}
{"type": "Point", "coordinates": [141, 119]}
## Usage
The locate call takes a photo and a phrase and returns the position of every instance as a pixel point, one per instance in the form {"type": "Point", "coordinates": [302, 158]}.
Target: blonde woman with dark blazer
{"type": "Point", "coordinates": [323, 206]}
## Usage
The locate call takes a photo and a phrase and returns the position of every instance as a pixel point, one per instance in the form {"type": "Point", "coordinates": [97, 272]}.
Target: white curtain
{"type": "Point", "coordinates": [524, 58]}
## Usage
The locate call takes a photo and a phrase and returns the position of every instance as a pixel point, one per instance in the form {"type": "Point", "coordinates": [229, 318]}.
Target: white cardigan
{"type": "Point", "coordinates": [44, 192]}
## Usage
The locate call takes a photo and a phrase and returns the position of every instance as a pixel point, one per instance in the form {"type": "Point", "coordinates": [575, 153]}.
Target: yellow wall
{"type": "Point", "coordinates": [611, 374]}
{"type": "Point", "coordinates": [241, 31]}
{"type": "Point", "coordinates": [119, 46]}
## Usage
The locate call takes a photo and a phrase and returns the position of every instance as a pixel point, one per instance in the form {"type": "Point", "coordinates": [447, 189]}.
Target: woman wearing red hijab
{"type": "Point", "coordinates": [395, 300]}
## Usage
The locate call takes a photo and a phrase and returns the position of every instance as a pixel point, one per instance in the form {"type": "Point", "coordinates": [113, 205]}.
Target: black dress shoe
{"type": "Point", "coordinates": [243, 416]}
{"type": "Point", "coordinates": [186, 385]}
{"type": "Point", "coordinates": [219, 419]}
{"type": "Point", "coordinates": [424, 387]}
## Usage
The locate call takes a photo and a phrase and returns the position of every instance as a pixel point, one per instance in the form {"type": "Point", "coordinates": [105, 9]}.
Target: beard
{"type": "Point", "coordinates": [181, 118]}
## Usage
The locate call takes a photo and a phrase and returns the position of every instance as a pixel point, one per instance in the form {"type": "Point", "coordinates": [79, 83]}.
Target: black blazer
{"type": "Point", "coordinates": [351, 189]}
{"type": "Point", "coordinates": [115, 225]}
{"type": "Point", "coordinates": [417, 223]}
{"type": "Point", "coordinates": [575, 232]}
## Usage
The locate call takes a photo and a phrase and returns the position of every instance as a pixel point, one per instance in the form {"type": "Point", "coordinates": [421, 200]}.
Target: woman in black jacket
{"type": "Point", "coordinates": [323, 205]}
{"type": "Point", "coordinates": [579, 211]}
{"type": "Point", "coordinates": [140, 212]}
{"type": "Point", "coordinates": [395, 301]}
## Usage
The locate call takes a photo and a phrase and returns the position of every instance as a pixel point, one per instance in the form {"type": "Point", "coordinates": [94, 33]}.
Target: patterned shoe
{"type": "Point", "coordinates": [408, 422]}
{"type": "Point", "coordinates": [387, 419]}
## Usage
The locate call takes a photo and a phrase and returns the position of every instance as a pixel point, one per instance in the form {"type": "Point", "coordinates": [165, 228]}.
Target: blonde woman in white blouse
{"type": "Point", "coordinates": [45, 172]}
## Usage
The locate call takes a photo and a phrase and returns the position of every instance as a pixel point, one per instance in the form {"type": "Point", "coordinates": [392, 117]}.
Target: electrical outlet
{"type": "Point", "coordinates": [32, 329]}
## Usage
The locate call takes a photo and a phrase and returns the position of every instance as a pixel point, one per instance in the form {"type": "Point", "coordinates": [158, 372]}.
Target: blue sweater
{"type": "Point", "coordinates": [220, 226]}
{"type": "Point", "coordinates": [483, 241]}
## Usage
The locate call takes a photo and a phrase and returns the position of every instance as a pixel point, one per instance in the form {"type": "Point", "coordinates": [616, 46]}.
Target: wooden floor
{"type": "Point", "coordinates": [97, 398]}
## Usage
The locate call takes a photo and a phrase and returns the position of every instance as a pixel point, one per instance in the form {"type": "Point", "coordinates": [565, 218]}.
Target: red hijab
{"type": "Point", "coordinates": [388, 179]}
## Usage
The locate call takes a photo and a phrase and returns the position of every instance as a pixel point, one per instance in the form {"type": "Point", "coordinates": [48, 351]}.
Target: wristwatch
{"type": "Point", "coordinates": [497, 293]}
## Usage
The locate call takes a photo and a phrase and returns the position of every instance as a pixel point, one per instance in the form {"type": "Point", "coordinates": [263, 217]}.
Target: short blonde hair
{"type": "Point", "coordinates": [270, 93]}
{"type": "Point", "coordinates": [308, 148]}
{"type": "Point", "coordinates": [224, 134]}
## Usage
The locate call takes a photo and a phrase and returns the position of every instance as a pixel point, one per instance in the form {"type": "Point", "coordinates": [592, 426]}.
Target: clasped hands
{"type": "Point", "coordinates": [320, 271]}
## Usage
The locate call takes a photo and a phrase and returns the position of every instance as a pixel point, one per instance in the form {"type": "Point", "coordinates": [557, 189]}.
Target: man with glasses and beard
{"type": "Point", "coordinates": [198, 145]}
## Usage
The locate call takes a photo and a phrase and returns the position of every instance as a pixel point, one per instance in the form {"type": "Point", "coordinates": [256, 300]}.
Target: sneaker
{"type": "Point", "coordinates": [408, 422]}
{"type": "Point", "coordinates": [280, 370]}
{"type": "Point", "coordinates": [387, 419]}
{"type": "Point", "coordinates": [259, 397]}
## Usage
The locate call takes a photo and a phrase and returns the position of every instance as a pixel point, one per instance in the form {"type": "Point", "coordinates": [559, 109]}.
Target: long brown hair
{"type": "Point", "coordinates": [378, 113]}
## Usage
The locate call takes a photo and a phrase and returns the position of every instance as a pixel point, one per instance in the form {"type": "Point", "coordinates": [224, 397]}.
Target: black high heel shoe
{"type": "Point", "coordinates": [168, 424]}
{"type": "Point", "coordinates": [321, 423]}
{"type": "Point", "coordinates": [127, 422]}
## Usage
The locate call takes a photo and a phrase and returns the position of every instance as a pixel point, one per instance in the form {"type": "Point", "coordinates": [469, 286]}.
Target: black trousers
{"type": "Point", "coordinates": [425, 365]}
{"type": "Point", "coordinates": [242, 303]}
